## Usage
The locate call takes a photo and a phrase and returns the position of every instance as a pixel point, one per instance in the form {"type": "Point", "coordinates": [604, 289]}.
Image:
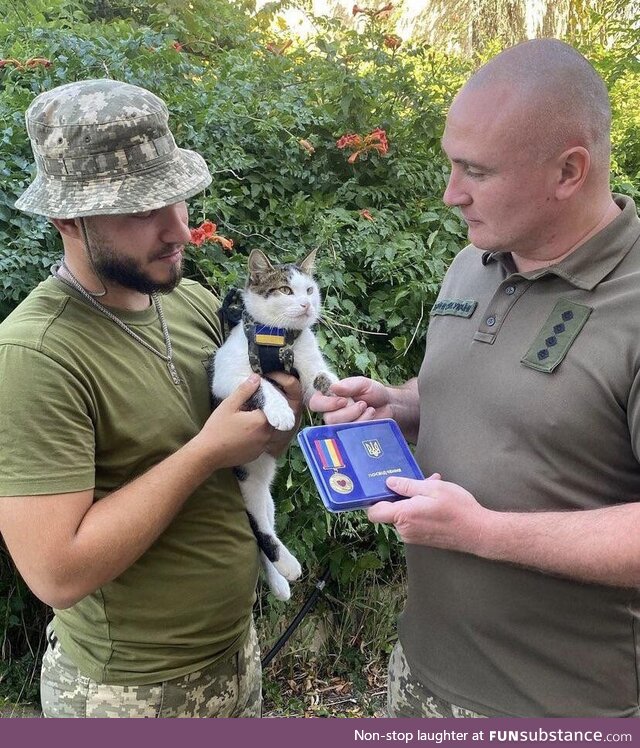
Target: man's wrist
{"type": "Point", "coordinates": [491, 529]}
{"type": "Point", "coordinates": [201, 456]}
{"type": "Point", "coordinates": [405, 408]}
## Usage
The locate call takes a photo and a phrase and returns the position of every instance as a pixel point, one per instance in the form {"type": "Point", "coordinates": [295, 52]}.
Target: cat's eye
{"type": "Point", "coordinates": [285, 290]}
{"type": "Point", "coordinates": [310, 290]}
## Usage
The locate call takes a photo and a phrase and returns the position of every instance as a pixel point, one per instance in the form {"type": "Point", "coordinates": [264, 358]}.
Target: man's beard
{"type": "Point", "coordinates": [126, 272]}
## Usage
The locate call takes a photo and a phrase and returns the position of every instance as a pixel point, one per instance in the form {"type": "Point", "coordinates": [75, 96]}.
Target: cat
{"type": "Point", "coordinates": [280, 303]}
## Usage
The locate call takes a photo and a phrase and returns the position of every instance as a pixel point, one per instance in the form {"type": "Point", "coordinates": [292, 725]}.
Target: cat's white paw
{"type": "Point", "coordinates": [280, 588]}
{"type": "Point", "coordinates": [279, 415]}
{"type": "Point", "coordinates": [277, 583]}
{"type": "Point", "coordinates": [288, 565]}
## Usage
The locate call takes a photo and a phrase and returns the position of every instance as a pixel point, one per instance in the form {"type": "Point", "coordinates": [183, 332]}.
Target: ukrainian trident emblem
{"type": "Point", "coordinates": [373, 448]}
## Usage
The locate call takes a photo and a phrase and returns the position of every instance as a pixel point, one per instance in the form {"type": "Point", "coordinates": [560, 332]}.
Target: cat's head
{"type": "Point", "coordinates": [282, 295]}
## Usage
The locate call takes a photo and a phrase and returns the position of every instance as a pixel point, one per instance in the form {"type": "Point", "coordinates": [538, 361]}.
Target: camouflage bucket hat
{"type": "Point", "coordinates": [104, 147]}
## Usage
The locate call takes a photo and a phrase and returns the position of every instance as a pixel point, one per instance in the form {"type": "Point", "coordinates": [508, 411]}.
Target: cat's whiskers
{"type": "Point", "coordinates": [282, 320]}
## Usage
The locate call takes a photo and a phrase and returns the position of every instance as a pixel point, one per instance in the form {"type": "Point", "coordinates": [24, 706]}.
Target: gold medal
{"type": "Point", "coordinates": [341, 483]}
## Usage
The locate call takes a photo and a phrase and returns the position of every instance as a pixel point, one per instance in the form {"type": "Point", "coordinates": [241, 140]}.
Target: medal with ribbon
{"type": "Point", "coordinates": [328, 451]}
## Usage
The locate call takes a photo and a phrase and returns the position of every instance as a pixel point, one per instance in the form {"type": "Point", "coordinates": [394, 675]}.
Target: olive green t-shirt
{"type": "Point", "coordinates": [83, 405]}
{"type": "Point", "coordinates": [530, 399]}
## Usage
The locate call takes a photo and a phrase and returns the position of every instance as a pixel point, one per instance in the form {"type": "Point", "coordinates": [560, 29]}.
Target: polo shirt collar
{"type": "Point", "coordinates": [586, 266]}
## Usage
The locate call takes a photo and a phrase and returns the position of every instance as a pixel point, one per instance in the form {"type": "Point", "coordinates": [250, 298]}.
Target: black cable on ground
{"type": "Point", "coordinates": [310, 602]}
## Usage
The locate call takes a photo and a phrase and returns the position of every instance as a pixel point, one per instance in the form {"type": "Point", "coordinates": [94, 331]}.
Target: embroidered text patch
{"type": "Point", "coordinates": [556, 336]}
{"type": "Point", "coordinates": [455, 307]}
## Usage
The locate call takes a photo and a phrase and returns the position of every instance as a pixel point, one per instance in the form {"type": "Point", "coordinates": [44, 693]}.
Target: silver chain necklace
{"type": "Point", "coordinates": [166, 357]}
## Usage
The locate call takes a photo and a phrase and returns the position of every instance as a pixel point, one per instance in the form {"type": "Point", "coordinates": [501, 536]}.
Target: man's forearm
{"type": "Point", "coordinates": [405, 406]}
{"type": "Point", "coordinates": [600, 545]}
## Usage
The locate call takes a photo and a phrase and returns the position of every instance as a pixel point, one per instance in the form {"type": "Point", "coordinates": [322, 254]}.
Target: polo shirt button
{"type": "Point", "coordinates": [510, 290]}
{"type": "Point", "coordinates": [491, 321]}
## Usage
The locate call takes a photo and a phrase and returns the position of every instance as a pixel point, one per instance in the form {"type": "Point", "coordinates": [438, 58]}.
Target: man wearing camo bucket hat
{"type": "Point", "coordinates": [118, 502]}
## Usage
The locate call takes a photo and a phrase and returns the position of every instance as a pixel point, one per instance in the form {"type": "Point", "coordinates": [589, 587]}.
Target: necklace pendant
{"type": "Point", "coordinates": [174, 372]}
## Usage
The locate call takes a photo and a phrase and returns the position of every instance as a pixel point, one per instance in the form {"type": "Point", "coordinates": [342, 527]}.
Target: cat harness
{"type": "Point", "coordinates": [270, 348]}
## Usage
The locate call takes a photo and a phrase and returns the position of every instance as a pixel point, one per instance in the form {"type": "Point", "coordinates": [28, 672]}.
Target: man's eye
{"type": "Point", "coordinates": [143, 215]}
{"type": "Point", "coordinates": [285, 290]}
{"type": "Point", "coordinates": [474, 173]}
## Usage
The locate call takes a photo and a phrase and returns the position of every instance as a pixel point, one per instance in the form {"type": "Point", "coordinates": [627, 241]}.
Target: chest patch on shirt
{"type": "Point", "coordinates": [454, 307]}
{"type": "Point", "coordinates": [556, 336]}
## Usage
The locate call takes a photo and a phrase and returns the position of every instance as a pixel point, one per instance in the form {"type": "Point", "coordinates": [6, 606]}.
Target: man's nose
{"type": "Point", "coordinates": [175, 228]}
{"type": "Point", "coordinates": [454, 194]}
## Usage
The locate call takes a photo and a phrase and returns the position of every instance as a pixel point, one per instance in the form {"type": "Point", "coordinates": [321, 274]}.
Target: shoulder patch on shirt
{"type": "Point", "coordinates": [454, 307]}
{"type": "Point", "coordinates": [556, 336]}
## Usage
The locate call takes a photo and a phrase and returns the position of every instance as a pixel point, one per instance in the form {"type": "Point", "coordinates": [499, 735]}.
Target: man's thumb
{"type": "Point", "coordinates": [349, 387]}
{"type": "Point", "coordinates": [406, 486]}
{"type": "Point", "coordinates": [244, 390]}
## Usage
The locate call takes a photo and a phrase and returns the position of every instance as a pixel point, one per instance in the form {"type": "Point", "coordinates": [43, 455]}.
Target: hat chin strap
{"type": "Point", "coordinates": [87, 251]}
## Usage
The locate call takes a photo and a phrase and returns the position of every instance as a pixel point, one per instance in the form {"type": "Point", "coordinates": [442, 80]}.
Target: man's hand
{"type": "Point", "coordinates": [437, 514]}
{"type": "Point", "coordinates": [233, 435]}
{"type": "Point", "coordinates": [291, 389]}
{"type": "Point", "coordinates": [357, 399]}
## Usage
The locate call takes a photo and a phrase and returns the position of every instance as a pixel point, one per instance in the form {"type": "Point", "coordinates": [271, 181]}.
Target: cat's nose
{"type": "Point", "coordinates": [305, 305]}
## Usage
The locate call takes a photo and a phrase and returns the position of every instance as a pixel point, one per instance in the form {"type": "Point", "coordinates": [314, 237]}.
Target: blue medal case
{"type": "Point", "coordinates": [350, 462]}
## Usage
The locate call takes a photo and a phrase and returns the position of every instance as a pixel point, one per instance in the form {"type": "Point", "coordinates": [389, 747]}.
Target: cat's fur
{"type": "Point", "coordinates": [267, 300]}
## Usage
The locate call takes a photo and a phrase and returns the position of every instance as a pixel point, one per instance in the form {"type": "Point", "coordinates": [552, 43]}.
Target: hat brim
{"type": "Point", "coordinates": [174, 180]}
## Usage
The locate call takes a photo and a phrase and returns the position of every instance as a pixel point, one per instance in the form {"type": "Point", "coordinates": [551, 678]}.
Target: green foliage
{"type": "Point", "coordinates": [608, 36]}
{"type": "Point", "coordinates": [22, 622]}
{"type": "Point", "coordinates": [266, 117]}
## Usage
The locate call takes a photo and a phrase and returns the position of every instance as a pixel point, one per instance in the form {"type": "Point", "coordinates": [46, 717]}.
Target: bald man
{"type": "Point", "coordinates": [522, 546]}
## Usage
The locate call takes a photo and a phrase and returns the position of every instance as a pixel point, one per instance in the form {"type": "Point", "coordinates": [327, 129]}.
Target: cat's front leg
{"type": "Point", "coordinates": [320, 380]}
{"type": "Point", "coordinates": [323, 381]}
{"type": "Point", "coordinates": [312, 367]}
{"type": "Point", "coordinates": [275, 406]}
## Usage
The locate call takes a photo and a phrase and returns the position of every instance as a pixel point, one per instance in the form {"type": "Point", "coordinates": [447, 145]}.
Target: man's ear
{"type": "Point", "coordinates": [575, 164]}
{"type": "Point", "coordinates": [69, 227]}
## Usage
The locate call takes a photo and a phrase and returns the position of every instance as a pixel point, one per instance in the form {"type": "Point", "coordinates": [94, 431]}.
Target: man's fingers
{"type": "Point", "coordinates": [351, 387]}
{"type": "Point", "coordinates": [368, 414]}
{"type": "Point", "coordinates": [383, 511]}
{"type": "Point", "coordinates": [411, 487]}
{"type": "Point", "coordinates": [286, 382]}
{"type": "Point", "coordinates": [387, 511]}
{"type": "Point", "coordinates": [325, 404]}
{"type": "Point", "coordinates": [346, 414]}
{"type": "Point", "coordinates": [243, 391]}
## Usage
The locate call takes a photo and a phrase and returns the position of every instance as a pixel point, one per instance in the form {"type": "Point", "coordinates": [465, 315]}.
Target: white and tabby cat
{"type": "Point", "coordinates": [281, 303]}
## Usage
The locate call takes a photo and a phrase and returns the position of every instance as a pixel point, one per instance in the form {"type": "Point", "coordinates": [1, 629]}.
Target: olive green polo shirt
{"type": "Point", "coordinates": [530, 399]}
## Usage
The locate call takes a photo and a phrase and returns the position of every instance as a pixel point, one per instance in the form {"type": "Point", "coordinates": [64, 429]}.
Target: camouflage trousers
{"type": "Point", "coordinates": [407, 697]}
{"type": "Point", "coordinates": [231, 688]}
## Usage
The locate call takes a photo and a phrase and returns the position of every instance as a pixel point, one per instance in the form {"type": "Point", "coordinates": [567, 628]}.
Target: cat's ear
{"type": "Point", "coordinates": [258, 262]}
{"type": "Point", "coordinates": [308, 265]}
